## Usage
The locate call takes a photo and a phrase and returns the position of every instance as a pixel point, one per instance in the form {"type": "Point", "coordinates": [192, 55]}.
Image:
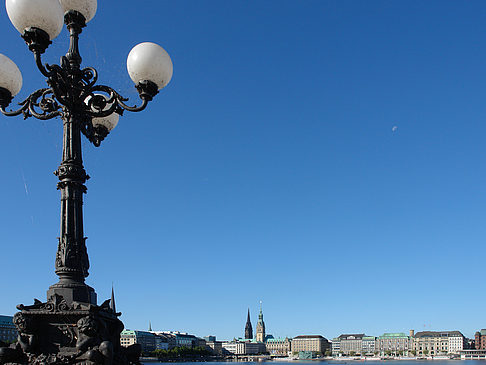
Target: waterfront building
{"type": "Point", "coordinates": [278, 346]}
{"type": "Point", "coordinates": [313, 343]}
{"type": "Point", "coordinates": [8, 331]}
{"type": "Point", "coordinates": [336, 347]}
{"type": "Point", "coordinates": [480, 340]}
{"type": "Point", "coordinates": [215, 346]}
{"type": "Point", "coordinates": [473, 354]}
{"type": "Point", "coordinates": [244, 347]}
{"type": "Point", "coordinates": [248, 327]}
{"type": "Point", "coordinates": [161, 342]}
{"type": "Point", "coordinates": [368, 345]}
{"type": "Point", "coordinates": [457, 342]}
{"type": "Point", "coordinates": [431, 343]}
{"type": "Point", "coordinates": [145, 339]}
{"type": "Point", "coordinates": [393, 344]}
{"type": "Point", "coordinates": [260, 329]}
{"type": "Point", "coordinates": [200, 342]}
{"type": "Point", "coordinates": [350, 344]}
{"type": "Point", "coordinates": [185, 340]}
{"type": "Point", "coordinates": [167, 337]}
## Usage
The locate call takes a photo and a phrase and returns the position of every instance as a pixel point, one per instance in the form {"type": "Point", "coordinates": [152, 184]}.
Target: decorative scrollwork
{"type": "Point", "coordinates": [73, 90]}
{"type": "Point", "coordinates": [39, 104]}
{"type": "Point", "coordinates": [99, 106]}
{"type": "Point", "coordinates": [90, 76]}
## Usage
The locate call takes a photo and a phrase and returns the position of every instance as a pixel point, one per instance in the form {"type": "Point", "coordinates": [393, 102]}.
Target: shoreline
{"type": "Point", "coordinates": [263, 358]}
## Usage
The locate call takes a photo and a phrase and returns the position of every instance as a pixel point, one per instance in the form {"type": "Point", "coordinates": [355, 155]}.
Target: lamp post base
{"type": "Point", "coordinates": [59, 333]}
{"type": "Point", "coordinates": [73, 292]}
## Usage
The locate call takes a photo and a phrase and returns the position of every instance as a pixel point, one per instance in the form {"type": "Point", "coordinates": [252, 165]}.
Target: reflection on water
{"type": "Point", "coordinates": [350, 362]}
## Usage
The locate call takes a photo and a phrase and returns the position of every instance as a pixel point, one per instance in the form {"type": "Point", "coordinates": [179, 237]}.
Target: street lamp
{"type": "Point", "coordinates": [70, 327]}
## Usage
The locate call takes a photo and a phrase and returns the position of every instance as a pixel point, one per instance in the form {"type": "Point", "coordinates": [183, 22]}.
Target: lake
{"type": "Point", "coordinates": [350, 362]}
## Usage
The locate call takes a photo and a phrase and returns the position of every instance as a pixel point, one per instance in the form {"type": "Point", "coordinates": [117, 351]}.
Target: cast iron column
{"type": "Point", "coordinates": [72, 262]}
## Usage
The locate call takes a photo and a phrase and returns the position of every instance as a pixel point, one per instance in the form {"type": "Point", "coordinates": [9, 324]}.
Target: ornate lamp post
{"type": "Point", "coordinates": [70, 327]}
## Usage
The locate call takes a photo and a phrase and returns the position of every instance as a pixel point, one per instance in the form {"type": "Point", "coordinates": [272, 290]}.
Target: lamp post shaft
{"type": "Point", "coordinates": [72, 261]}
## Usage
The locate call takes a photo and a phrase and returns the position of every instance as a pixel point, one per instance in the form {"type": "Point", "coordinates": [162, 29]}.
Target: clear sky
{"type": "Point", "coordinates": [325, 157]}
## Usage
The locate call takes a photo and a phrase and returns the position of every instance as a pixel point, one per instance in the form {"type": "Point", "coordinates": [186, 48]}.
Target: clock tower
{"type": "Point", "coordinates": [260, 329]}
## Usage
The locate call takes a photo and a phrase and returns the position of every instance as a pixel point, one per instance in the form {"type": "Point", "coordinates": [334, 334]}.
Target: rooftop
{"type": "Point", "coordinates": [438, 334]}
{"type": "Point", "coordinates": [277, 340]}
{"type": "Point", "coordinates": [355, 336]}
{"type": "Point", "coordinates": [393, 335]}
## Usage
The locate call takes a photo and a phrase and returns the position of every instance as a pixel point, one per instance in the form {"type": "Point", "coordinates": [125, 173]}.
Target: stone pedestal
{"type": "Point", "coordinates": [58, 332]}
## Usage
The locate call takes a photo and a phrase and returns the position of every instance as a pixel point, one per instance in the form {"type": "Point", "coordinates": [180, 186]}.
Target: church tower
{"type": "Point", "coordinates": [260, 329]}
{"type": "Point", "coordinates": [248, 327]}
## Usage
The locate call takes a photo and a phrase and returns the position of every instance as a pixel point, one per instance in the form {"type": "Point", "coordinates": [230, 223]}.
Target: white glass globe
{"type": "Point", "coordinates": [85, 7]}
{"type": "Point", "coordinates": [10, 76]}
{"type": "Point", "coordinates": [110, 121]}
{"type": "Point", "coordinates": [44, 14]}
{"type": "Point", "coordinates": [149, 61]}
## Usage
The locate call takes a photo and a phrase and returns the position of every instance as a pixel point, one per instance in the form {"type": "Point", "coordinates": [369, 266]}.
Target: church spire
{"type": "Point", "coordinates": [248, 327]}
{"type": "Point", "coordinates": [150, 326]}
{"type": "Point", "coordinates": [112, 300]}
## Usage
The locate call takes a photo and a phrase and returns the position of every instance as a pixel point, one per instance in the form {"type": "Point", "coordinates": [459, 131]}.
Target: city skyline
{"type": "Point", "coordinates": [325, 157]}
{"type": "Point", "coordinates": [249, 324]}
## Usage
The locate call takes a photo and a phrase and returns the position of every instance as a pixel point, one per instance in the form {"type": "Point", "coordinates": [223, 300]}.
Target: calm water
{"type": "Point", "coordinates": [388, 362]}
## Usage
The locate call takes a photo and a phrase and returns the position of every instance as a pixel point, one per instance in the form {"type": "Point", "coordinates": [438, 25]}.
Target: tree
{"type": "Point", "coordinates": [352, 353]}
{"type": "Point", "coordinates": [413, 352]}
{"type": "Point", "coordinates": [328, 353]}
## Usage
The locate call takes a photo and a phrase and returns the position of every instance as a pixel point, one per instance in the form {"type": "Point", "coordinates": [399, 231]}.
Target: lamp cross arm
{"type": "Point", "coordinates": [40, 105]}
{"type": "Point", "coordinates": [110, 101]}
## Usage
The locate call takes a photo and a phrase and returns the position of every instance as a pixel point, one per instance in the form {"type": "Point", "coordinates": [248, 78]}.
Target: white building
{"type": "Point", "coordinates": [336, 347]}
{"type": "Point", "coordinates": [368, 345]}
{"type": "Point", "coordinates": [456, 342]}
{"type": "Point", "coordinates": [430, 343]}
{"type": "Point", "coordinates": [243, 347]}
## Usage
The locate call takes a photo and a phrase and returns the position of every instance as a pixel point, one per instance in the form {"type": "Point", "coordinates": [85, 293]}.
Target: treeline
{"type": "Point", "coordinates": [182, 353]}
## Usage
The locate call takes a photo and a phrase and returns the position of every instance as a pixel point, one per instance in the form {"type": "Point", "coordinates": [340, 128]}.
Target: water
{"type": "Point", "coordinates": [342, 362]}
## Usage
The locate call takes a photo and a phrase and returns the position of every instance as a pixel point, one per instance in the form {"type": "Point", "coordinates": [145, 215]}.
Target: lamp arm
{"type": "Point", "coordinates": [97, 104]}
{"type": "Point", "coordinates": [40, 65]}
{"type": "Point", "coordinates": [39, 105]}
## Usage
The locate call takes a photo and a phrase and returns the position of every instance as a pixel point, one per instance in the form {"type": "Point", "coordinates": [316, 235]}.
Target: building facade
{"type": "Point", "coordinates": [8, 331]}
{"type": "Point", "coordinates": [312, 343]}
{"type": "Point", "coordinates": [215, 346]}
{"type": "Point", "coordinates": [350, 344]}
{"type": "Point", "coordinates": [393, 344]}
{"type": "Point", "coordinates": [336, 347]}
{"type": "Point", "coordinates": [457, 342]}
{"type": "Point", "coordinates": [244, 347]}
{"type": "Point", "coordinates": [145, 339]}
{"type": "Point", "coordinates": [480, 340]}
{"type": "Point", "coordinates": [368, 345]}
{"type": "Point", "coordinates": [431, 343]}
{"type": "Point", "coordinates": [278, 346]}
{"type": "Point", "coordinates": [473, 354]}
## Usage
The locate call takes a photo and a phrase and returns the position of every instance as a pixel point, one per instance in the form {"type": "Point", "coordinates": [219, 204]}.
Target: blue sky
{"type": "Point", "coordinates": [325, 157]}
